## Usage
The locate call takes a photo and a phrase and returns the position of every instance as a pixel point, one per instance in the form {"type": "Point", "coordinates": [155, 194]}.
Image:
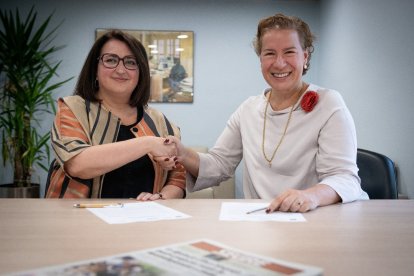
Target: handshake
{"type": "Point", "coordinates": [168, 152]}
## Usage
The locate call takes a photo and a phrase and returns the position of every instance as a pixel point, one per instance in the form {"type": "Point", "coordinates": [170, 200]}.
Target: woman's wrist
{"type": "Point", "coordinates": [184, 152]}
{"type": "Point", "coordinates": [145, 143]}
{"type": "Point", "coordinates": [150, 143]}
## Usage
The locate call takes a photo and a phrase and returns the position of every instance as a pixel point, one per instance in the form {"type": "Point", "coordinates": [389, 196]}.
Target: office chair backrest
{"type": "Point", "coordinates": [378, 175]}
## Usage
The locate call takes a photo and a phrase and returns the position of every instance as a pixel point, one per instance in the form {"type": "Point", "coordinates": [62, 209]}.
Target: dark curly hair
{"type": "Point", "coordinates": [87, 86]}
{"type": "Point", "coordinates": [281, 21]}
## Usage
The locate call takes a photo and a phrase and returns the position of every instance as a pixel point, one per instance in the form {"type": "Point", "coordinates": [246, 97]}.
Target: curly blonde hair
{"type": "Point", "coordinates": [283, 22]}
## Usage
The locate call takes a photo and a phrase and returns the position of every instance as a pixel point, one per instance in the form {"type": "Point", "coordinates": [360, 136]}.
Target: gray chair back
{"type": "Point", "coordinates": [378, 175]}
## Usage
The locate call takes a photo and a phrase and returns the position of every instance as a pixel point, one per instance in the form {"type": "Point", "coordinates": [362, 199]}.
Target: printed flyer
{"type": "Point", "coordinates": [202, 257]}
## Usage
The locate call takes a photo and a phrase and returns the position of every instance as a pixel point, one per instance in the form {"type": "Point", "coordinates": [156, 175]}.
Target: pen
{"type": "Point", "coordinates": [97, 205]}
{"type": "Point", "coordinates": [257, 210]}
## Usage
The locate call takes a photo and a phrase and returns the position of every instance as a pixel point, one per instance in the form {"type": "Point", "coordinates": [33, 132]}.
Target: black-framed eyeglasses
{"type": "Point", "coordinates": [111, 61]}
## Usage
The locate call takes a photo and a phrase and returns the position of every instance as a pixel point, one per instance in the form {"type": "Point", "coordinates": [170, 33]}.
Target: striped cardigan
{"type": "Point", "coordinates": [80, 124]}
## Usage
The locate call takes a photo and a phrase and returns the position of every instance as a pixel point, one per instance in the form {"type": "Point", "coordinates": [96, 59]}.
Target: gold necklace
{"type": "Point", "coordinates": [269, 160]}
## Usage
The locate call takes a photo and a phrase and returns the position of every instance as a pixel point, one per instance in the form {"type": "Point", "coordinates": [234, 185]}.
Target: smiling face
{"type": "Point", "coordinates": [119, 82]}
{"type": "Point", "coordinates": [282, 59]}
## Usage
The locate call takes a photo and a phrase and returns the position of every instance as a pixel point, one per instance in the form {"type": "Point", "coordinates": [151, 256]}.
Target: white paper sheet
{"type": "Point", "coordinates": [237, 211]}
{"type": "Point", "coordinates": [137, 212]}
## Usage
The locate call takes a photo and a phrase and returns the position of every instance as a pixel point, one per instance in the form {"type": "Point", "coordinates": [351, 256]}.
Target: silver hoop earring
{"type": "Point", "coordinates": [96, 84]}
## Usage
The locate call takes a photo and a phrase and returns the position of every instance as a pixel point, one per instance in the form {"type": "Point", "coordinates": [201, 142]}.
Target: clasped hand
{"type": "Point", "coordinates": [168, 158]}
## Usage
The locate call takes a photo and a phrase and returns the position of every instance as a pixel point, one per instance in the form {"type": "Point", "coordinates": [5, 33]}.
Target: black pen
{"type": "Point", "coordinates": [257, 210]}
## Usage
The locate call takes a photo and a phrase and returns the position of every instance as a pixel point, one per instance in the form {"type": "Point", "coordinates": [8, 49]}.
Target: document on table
{"type": "Point", "coordinates": [237, 211]}
{"type": "Point", "coordinates": [195, 258]}
{"type": "Point", "coordinates": [137, 212]}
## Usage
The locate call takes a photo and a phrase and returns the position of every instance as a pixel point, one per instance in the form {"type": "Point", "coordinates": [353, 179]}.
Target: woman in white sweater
{"type": "Point", "coordinates": [297, 139]}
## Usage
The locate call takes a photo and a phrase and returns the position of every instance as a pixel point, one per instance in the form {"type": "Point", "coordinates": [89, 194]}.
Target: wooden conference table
{"type": "Point", "coordinates": [361, 238]}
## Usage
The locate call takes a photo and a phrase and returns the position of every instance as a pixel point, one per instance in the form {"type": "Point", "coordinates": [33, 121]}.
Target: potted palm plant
{"type": "Point", "coordinates": [26, 70]}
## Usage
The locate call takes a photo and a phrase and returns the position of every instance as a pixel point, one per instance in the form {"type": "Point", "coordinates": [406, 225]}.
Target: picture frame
{"type": "Point", "coordinates": [171, 60]}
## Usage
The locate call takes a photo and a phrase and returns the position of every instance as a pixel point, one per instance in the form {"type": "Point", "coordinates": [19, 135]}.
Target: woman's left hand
{"type": "Point", "coordinates": [293, 201]}
{"type": "Point", "coordinates": [149, 197]}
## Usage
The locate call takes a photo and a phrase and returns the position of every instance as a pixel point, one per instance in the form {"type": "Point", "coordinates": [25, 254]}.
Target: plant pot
{"type": "Point", "coordinates": [12, 191]}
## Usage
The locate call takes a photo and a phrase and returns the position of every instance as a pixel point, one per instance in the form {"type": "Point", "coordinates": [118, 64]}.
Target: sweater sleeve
{"type": "Point", "coordinates": [336, 157]}
{"type": "Point", "coordinates": [68, 138]}
{"type": "Point", "coordinates": [221, 161]}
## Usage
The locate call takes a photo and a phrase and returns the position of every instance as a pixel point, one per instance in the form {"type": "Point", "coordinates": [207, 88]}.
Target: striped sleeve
{"type": "Point", "coordinates": [68, 137]}
{"type": "Point", "coordinates": [177, 177]}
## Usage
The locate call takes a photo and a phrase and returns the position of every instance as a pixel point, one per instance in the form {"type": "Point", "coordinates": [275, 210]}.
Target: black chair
{"type": "Point", "coordinates": [378, 175]}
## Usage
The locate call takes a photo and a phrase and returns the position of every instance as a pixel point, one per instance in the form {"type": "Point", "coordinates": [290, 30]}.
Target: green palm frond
{"type": "Point", "coordinates": [26, 91]}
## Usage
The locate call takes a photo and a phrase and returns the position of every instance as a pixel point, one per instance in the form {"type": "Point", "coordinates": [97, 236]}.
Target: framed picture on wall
{"type": "Point", "coordinates": [170, 55]}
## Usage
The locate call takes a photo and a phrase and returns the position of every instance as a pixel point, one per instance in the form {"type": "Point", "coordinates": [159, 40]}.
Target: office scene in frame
{"type": "Point", "coordinates": [170, 55]}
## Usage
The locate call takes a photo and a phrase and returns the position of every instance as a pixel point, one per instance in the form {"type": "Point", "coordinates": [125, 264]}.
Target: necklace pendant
{"type": "Point", "coordinates": [270, 164]}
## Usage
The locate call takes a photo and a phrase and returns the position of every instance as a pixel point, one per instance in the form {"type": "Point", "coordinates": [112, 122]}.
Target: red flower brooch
{"type": "Point", "coordinates": [309, 100]}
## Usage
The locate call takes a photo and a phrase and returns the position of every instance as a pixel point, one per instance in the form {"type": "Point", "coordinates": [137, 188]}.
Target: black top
{"type": "Point", "coordinates": [133, 178]}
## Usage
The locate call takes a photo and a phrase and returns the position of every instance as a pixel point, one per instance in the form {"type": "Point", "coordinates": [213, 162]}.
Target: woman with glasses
{"type": "Point", "coordinates": [105, 136]}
